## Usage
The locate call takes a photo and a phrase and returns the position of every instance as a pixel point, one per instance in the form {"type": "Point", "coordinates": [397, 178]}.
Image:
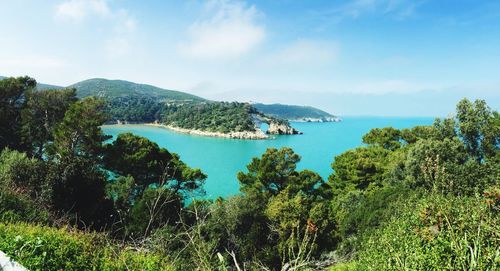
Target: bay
{"type": "Point", "coordinates": [221, 159]}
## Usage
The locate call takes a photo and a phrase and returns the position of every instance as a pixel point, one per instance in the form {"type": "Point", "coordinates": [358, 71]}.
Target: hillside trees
{"type": "Point", "coordinates": [43, 111]}
{"type": "Point", "coordinates": [75, 173]}
{"type": "Point", "coordinates": [67, 175]}
{"type": "Point", "coordinates": [12, 101]}
{"type": "Point", "coordinates": [414, 215]}
{"type": "Point", "coordinates": [223, 117]}
{"type": "Point", "coordinates": [285, 204]}
{"type": "Point", "coordinates": [151, 182]}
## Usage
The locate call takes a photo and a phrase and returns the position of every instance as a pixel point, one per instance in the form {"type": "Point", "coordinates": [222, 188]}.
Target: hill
{"type": "Point", "coordinates": [141, 103]}
{"type": "Point", "coordinates": [119, 88]}
{"type": "Point", "coordinates": [296, 112]}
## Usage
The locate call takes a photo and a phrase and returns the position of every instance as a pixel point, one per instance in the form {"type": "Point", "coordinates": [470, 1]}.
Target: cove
{"type": "Point", "coordinates": [221, 159]}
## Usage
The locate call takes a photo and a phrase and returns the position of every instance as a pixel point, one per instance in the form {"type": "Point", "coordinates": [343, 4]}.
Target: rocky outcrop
{"type": "Point", "coordinates": [279, 128]}
{"type": "Point", "coordinates": [326, 119]}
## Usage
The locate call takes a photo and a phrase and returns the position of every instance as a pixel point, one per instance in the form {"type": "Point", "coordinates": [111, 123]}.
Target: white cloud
{"type": "Point", "coordinates": [119, 22]}
{"type": "Point", "coordinates": [306, 52]}
{"type": "Point", "coordinates": [78, 10]}
{"type": "Point", "coordinates": [228, 29]}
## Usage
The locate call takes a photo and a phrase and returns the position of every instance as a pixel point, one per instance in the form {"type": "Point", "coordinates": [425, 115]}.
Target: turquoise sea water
{"type": "Point", "coordinates": [221, 159]}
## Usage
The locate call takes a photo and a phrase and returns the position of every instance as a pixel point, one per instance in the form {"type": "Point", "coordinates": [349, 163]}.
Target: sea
{"type": "Point", "coordinates": [221, 159]}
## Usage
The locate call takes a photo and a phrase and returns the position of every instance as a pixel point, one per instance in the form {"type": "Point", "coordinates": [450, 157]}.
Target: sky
{"type": "Point", "coordinates": [353, 57]}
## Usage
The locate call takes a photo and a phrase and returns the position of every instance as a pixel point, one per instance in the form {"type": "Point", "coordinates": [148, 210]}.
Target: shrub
{"type": "Point", "coordinates": [435, 232]}
{"type": "Point", "coordinates": [46, 248]}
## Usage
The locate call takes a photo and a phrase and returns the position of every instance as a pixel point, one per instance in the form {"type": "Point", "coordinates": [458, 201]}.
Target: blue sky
{"type": "Point", "coordinates": [358, 57]}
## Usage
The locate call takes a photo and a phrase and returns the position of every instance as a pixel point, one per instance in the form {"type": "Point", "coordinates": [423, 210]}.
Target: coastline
{"type": "Point", "coordinates": [257, 135]}
{"type": "Point", "coordinates": [335, 119]}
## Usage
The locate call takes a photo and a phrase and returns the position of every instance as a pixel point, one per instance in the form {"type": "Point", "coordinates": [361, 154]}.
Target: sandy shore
{"type": "Point", "coordinates": [258, 134]}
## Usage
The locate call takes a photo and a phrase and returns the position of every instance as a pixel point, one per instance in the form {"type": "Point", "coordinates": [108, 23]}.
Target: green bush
{"type": "Point", "coordinates": [45, 248]}
{"type": "Point", "coordinates": [19, 182]}
{"type": "Point", "coordinates": [436, 232]}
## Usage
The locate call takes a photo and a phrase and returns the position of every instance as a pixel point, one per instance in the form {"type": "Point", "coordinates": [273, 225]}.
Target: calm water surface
{"type": "Point", "coordinates": [221, 159]}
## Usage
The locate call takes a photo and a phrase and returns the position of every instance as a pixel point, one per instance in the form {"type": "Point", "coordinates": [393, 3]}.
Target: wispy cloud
{"type": "Point", "coordinates": [305, 52]}
{"type": "Point", "coordinates": [227, 29]}
{"type": "Point", "coordinates": [78, 10]}
{"type": "Point", "coordinates": [120, 23]}
{"type": "Point", "coordinates": [396, 9]}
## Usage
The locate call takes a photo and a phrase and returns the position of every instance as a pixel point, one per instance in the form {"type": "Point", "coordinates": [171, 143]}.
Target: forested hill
{"type": "Point", "coordinates": [140, 103]}
{"type": "Point", "coordinates": [295, 112]}
{"type": "Point", "coordinates": [132, 102]}
{"type": "Point", "coordinates": [119, 88]}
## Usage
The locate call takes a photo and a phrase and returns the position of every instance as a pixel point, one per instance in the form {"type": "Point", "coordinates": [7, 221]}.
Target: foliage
{"type": "Point", "coordinates": [134, 109]}
{"type": "Point", "coordinates": [292, 112]}
{"type": "Point", "coordinates": [12, 101]}
{"type": "Point", "coordinates": [45, 248]}
{"type": "Point", "coordinates": [79, 134]}
{"type": "Point", "coordinates": [78, 190]}
{"type": "Point", "coordinates": [478, 129]}
{"type": "Point", "coordinates": [220, 117]}
{"type": "Point", "coordinates": [435, 232]}
{"type": "Point", "coordinates": [154, 208]}
{"type": "Point", "coordinates": [118, 88]}
{"type": "Point", "coordinates": [388, 138]}
{"type": "Point", "coordinates": [422, 198]}
{"type": "Point", "coordinates": [149, 164]}
{"type": "Point", "coordinates": [131, 102]}
{"type": "Point", "coordinates": [359, 168]}
{"type": "Point", "coordinates": [275, 171]}
{"type": "Point", "coordinates": [22, 190]}
{"type": "Point", "coordinates": [43, 111]}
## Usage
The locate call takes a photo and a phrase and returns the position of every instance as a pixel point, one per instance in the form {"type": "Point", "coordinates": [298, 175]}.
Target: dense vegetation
{"type": "Point", "coordinates": [131, 102]}
{"type": "Point", "coordinates": [425, 198]}
{"type": "Point", "coordinates": [294, 112]}
{"type": "Point", "coordinates": [119, 88]}
{"type": "Point", "coordinates": [138, 103]}
{"type": "Point", "coordinates": [211, 116]}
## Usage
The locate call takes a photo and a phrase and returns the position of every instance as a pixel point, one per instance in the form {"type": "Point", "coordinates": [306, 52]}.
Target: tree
{"type": "Point", "coordinates": [149, 164]}
{"type": "Point", "coordinates": [44, 110]}
{"type": "Point", "coordinates": [78, 190]}
{"type": "Point", "coordinates": [151, 194]}
{"type": "Point", "coordinates": [388, 138]}
{"type": "Point", "coordinates": [478, 128]}
{"type": "Point", "coordinates": [274, 171]}
{"type": "Point", "coordinates": [359, 168]}
{"type": "Point", "coordinates": [24, 195]}
{"type": "Point", "coordinates": [76, 174]}
{"type": "Point", "coordinates": [80, 134]}
{"type": "Point", "coordinates": [289, 202]}
{"type": "Point", "coordinates": [12, 101]}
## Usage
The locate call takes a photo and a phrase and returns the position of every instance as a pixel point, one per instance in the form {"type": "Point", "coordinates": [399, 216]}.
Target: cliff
{"type": "Point", "coordinates": [279, 128]}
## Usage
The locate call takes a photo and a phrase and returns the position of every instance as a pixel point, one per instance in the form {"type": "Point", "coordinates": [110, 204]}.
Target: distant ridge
{"type": "Point", "coordinates": [296, 112]}
{"type": "Point", "coordinates": [120, 88]}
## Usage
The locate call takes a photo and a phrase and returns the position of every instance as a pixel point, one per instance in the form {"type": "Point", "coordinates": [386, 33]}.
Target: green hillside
{"type": "Point", "coordinates": [295, 112]}
{"type": "Point", "coordinates": [120, 88]}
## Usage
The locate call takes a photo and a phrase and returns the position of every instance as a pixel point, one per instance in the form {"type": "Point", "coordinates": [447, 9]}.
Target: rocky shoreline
{"type": "Point", "coordinates": [330, 119]}
{"type": "Point", "coordinates": [258, 134]}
